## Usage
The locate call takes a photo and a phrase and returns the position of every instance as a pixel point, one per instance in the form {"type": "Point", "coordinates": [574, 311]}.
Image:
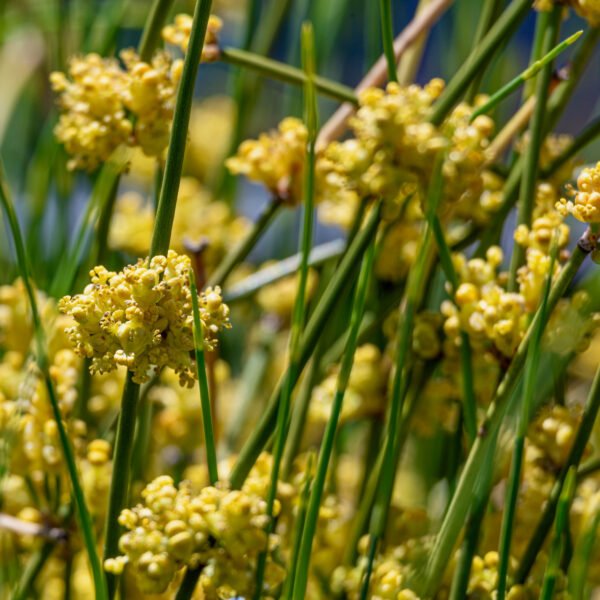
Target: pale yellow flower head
{"type": "Point", "coordinates": [93, 120]}
{"type": "Point", "coordinates": [275, 159]}
{"type": "Point", "coordinates": [98, 97]}
{"type": "Point", "coordinates": [585, 205]}
{"type": "Point", "coordinates": [142, 318]}
{"type": "Point", "coordinates": [173, 528]}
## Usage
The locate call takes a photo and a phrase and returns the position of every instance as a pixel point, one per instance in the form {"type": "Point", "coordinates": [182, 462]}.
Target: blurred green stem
{"type": "Point", "coordinates": [456, 513]}
{"type": "Point", "coordinates": [550, 25]}
{"type": "Point", "coordinates": [283, 72]}
{"type": "Point", "coordinates": [42, 360]}
{"type": "Point", "coordinates": [302, 570]}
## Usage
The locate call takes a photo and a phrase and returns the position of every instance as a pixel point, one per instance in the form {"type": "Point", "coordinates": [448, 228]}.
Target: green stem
{"type": "Point", "coordinates": [557, 546]}
{"type": "Point", "coordinates": [358, 307]}
{"type": "Point", "coordinates": [582, 557]}
{"type": "Point", "coordinates": [387, 35]}
{"type": "Point", "coordinates": [414, 293]}
{"type": "Point", "coordinates": [120, 479]}
{"type": "Point", "coordinates": [298, 527]}
{"type": "Point", "coordinates": [489, 12]}
{"type": "Point", "coordinates": [241, 251]}
{"type": "Point", "coordinates": [588, 418]}
{"type": "Point", "coordinates": [299, 311]}
{"type": "Point", "coordinates": [261, 433]}
{"type": "Point", "coordinates": [514, 480]}
{"type": "Point", "coordinates": [529, 73]}
{"type": "Point", "coordinates": [300, 412]}
{"type": "Point", "coordinates": [209, 436]}
{"type": "Point", "coordinates": [500, 31]}
{"type": "Point", "coordinates": [183, 105]}
{"type": "Point", "coordinates": [282, 72]}
{"type": "Point", "coordinates": [466, 359]}
{"type": "Point", "coordinates": [460, 580]}
{"type": "Point", "coordinates": [550, 24]}
{"type": "Point", "coordinates": [455, 515]}
{"type": "Point", "coordinates": [85, 520]}
{"type": "Point", "coordinates": [151, 36]}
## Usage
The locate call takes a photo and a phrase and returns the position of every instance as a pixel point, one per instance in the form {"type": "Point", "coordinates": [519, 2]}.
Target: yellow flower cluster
{"type": "Point", "coordinates": [97, 98]}
{"type": "Point", "coordinates": [142, 318]}
{"type": "Point", "coordinates": [178, 33]}
{"type": "Point", "coordinates": [222, 530]}
{"type": "Point", "coordinates": [198, 219]}
{"type": "Point", "coordinates": [276, 160]}
{"type": "Point", "coordinates": [585, 205]}
{"type": "Point", "coordinates": [483, 308]}
{"type": "Point", "coordinates": [365, 393]}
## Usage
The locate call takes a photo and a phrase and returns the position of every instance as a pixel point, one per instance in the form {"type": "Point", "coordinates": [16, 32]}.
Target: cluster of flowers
{"type": "Point", "coordinates": [221, 530]}
{"type": "Point", "coordinates": [141, 318]}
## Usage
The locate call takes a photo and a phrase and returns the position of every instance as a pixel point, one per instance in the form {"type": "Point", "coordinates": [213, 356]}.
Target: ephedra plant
{"type": "Point", "coordinates": [406, 412]}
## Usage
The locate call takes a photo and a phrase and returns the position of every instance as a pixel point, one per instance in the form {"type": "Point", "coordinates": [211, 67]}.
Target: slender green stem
{"type": "Point", "coordinates": [582, 557]}
{"type": "Point", "coordinates": [287, 266]}
{"type": "Point", "coordinates": [504, 26]}
{"type": "Point", "coordinates": [387, 35]}
{"type": "Point", "coordinates": [456, 513]}
{"type": "Point", "coordinates": [298, 315]}
{"type": "Point", "coordinates": [466, 359]}
{"type": "Point", "coordinates": [183, 105]}
{"type": "Point", "coordinates": [151, 36]}
{"type": "Point", "coordinates": [299, 526]}
{"type": "Point", "coordinates": [282, 72]}
{"type": "Point", "coordinates": [343, 275]}
{"type": "Point", "coordinates": [561, 526]}
{"type": "Point", "coordinates": [241, 251]}
{"type": "Point", "coordinates": [550, 24]}
{"type": "Point", "coordinates": [244, 90]}
{"type": "Point", "coordinates": [514, 480]}
{"type": "Point", "coordinates": [209, 436]}
{"type": "Point", "coordinates": [414, 293]}
{"type": "Point", "coordinates": [468, 550]}
{"type": "Point", "coordinates": [358, 307]}
{"type": "Point", "coordinates": [588, 418]}
{"type": "Point", "coordinates": [489, 12]}
{"type": "Point", "coordinates": [300, 412]}
{"type": "Point", "coordinates": [529, 73]}
{"type": "Point", "coordinates": [85, 520]}
{"type": "Point", "coordinates": [120, 479]}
